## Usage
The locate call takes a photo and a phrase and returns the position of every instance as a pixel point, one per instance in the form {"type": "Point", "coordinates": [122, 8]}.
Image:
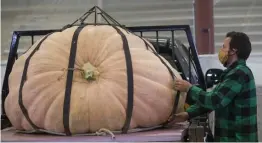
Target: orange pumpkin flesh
{"type": "Point", "coordinates": [99, 89]}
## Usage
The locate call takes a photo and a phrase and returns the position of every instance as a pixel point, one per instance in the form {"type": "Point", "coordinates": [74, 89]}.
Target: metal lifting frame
{"type": "Point", "coordinates": [192, 52]}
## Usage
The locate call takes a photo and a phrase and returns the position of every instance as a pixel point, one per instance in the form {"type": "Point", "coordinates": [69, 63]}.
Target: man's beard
{"type": "Point", "coordinates": [225, 64]}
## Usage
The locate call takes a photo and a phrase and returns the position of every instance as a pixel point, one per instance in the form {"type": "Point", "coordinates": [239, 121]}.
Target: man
{"type": "Point", "coordinates": [233, 99]}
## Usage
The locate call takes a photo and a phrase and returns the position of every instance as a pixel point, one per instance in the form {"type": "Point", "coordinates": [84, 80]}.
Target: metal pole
{"type": "Point", "coordinates": [194, 26]}
{"type": "Point", "coordinates": [99, 4]}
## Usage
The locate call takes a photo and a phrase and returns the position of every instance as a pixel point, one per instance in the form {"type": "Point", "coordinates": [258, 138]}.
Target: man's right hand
{"type": "Point", "coordinates": [180, 117]}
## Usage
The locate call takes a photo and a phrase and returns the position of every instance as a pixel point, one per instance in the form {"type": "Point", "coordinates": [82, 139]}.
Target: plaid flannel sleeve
{"type": "Point", "coordinates": [196, 110]}
{"type": "Point", "coordinates": [221, 95]}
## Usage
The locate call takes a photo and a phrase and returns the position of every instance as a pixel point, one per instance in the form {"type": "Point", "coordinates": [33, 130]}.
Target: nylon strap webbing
{"type": "Point", "coordinates": [69, 80]}
{"type": "Point", "coordinates": [23, 79]}
{"type": "Point", "coordinates": [130, 81]}
{"type": "Point", "coordinates": [173, 76]}
{"type": "Point", "coordinates": [130, 86]}
{"type": "Point", "coordinates": [66, 109]}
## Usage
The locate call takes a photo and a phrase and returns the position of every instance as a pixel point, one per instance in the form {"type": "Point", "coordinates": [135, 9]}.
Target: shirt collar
{"type": "Point", "coordinates": [236, 63]}
{"type": "Point", "coordinates": [232, 66]}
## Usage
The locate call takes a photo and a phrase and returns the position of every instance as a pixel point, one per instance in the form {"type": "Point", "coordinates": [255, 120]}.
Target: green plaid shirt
{"type": "Point", "coordinates": [235, 104]}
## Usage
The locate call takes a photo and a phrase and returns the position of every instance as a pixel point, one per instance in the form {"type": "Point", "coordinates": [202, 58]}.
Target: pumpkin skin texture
{"type": "Point", "coordinates": [95, 104]}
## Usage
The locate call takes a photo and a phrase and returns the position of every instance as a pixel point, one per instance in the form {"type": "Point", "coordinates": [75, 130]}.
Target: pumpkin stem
{"type": "Point", "coordinates": [90, 72]}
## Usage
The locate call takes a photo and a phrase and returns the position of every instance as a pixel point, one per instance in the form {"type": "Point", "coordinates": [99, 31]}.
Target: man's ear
{"type": "Point", "coordinates": [232, 51]}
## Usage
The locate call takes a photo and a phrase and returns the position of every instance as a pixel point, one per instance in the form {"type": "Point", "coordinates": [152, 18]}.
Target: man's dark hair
{"type": "Point", "coordinates": [240, 41]}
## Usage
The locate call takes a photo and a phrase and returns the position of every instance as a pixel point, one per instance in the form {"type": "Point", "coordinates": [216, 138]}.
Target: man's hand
{"type": "Point", "coordinates": [180, 117]}
{"type": "Point", "coordinates": [182, 85]}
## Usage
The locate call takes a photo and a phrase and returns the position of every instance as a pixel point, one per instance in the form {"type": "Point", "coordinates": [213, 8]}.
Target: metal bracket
{"type": "Point", "coordinates": [196, 133]}
{"type": "Point", "coordinates": [198, 130]}
{"type": "Point", "coordinates": [97, 12]}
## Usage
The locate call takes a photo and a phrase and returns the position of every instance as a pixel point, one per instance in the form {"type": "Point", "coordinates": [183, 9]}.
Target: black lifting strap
{"type": "Point", "coordinates": [172, 74]}
{"type": "Point", "coordinates": [66, 109]}
{"type": "Point", "coordinates": [130, 81]}
{"type": "Point", "coordinates": [23, 79]}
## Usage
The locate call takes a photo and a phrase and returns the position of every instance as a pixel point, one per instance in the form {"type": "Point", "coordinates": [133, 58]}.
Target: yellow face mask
{"type": "Point", "coordinates": [223, 56]}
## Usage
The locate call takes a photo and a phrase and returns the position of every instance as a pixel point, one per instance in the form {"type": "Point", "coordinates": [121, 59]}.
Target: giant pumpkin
{"type": "Point", "coordinates": [99, 86]}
